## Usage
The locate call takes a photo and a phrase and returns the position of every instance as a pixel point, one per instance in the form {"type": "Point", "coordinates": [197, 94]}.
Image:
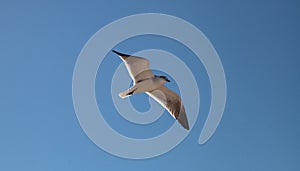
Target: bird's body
{"type": "Point", "coordinates": [146, 81]}
{"type": "Point", "coordinates": [146, 85]}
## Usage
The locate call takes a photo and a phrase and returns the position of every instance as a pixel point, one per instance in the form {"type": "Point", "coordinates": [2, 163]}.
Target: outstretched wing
{"type": "Point", "coordinates": [138, 68]}
{"type": "Point", "coordinates": [172, 102]}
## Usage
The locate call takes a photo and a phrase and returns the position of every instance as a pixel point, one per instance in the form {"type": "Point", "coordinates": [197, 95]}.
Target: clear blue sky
{"type": "Point", "coordinates": [258, 43]}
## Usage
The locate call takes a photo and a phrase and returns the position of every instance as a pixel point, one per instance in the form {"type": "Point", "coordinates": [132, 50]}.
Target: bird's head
{"type": "Point", "coordinates": [165, 78]}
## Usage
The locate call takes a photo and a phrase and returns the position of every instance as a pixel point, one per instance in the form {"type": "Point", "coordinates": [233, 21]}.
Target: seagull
{"type": "Point", "coordinates": [153, 85]}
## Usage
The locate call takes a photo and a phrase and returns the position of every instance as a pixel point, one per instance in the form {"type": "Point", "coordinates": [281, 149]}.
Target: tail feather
{"type": "Point", "coordinates": [124, 94]}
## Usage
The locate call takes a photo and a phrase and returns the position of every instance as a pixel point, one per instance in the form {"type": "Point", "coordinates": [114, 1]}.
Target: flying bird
{"type": "Point", "coordinates": [153, 85]}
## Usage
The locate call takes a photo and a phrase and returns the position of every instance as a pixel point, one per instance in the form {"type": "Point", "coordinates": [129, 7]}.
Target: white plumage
{"type": "Point", "coordinates": [145, 81]}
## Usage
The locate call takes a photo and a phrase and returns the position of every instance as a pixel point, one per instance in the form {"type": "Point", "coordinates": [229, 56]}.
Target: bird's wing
{"type": "Point", "coordinates": [138, 68]}
{"type": "Point", "coordinates": [172, 102]}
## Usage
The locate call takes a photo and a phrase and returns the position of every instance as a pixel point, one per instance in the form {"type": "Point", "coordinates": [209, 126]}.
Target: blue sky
{"type": "Point", "coordinates": [258, 44]}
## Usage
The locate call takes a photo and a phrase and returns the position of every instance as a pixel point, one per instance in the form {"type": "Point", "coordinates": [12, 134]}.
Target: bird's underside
{"type": "Point", "coordinates": [145, 81]}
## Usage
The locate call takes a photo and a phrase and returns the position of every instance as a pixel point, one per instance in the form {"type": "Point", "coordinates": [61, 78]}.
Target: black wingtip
{"type": "Point", "coordinates": [120, 54]}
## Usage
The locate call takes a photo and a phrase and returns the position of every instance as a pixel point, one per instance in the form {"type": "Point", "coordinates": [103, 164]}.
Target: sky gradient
{"type": "Point", "coordinates": [258, 44]}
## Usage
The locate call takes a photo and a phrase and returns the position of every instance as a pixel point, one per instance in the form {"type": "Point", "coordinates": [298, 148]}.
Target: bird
{"type": "Point", "coordinates": [153, 85]}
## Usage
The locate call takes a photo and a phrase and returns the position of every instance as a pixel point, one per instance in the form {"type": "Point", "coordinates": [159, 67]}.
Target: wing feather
{"type": "Point", "coordinates": [137, 67]}
{"type": "Point", "coordinates": [172, 102]}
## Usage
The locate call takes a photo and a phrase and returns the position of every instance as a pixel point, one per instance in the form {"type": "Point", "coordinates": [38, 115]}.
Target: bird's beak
{"type": "Point", "coordinates": [168, 80]}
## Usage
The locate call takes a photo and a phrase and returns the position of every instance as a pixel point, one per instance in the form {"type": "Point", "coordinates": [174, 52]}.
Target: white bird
{"type": "Point", "coordinates": [153, 85]}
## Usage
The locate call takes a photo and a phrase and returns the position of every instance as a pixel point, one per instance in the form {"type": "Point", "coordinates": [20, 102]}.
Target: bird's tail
{"type": "Point", "coordinates": [126, 93]}
{"type": "Point", "coordinates": [123, 94]}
